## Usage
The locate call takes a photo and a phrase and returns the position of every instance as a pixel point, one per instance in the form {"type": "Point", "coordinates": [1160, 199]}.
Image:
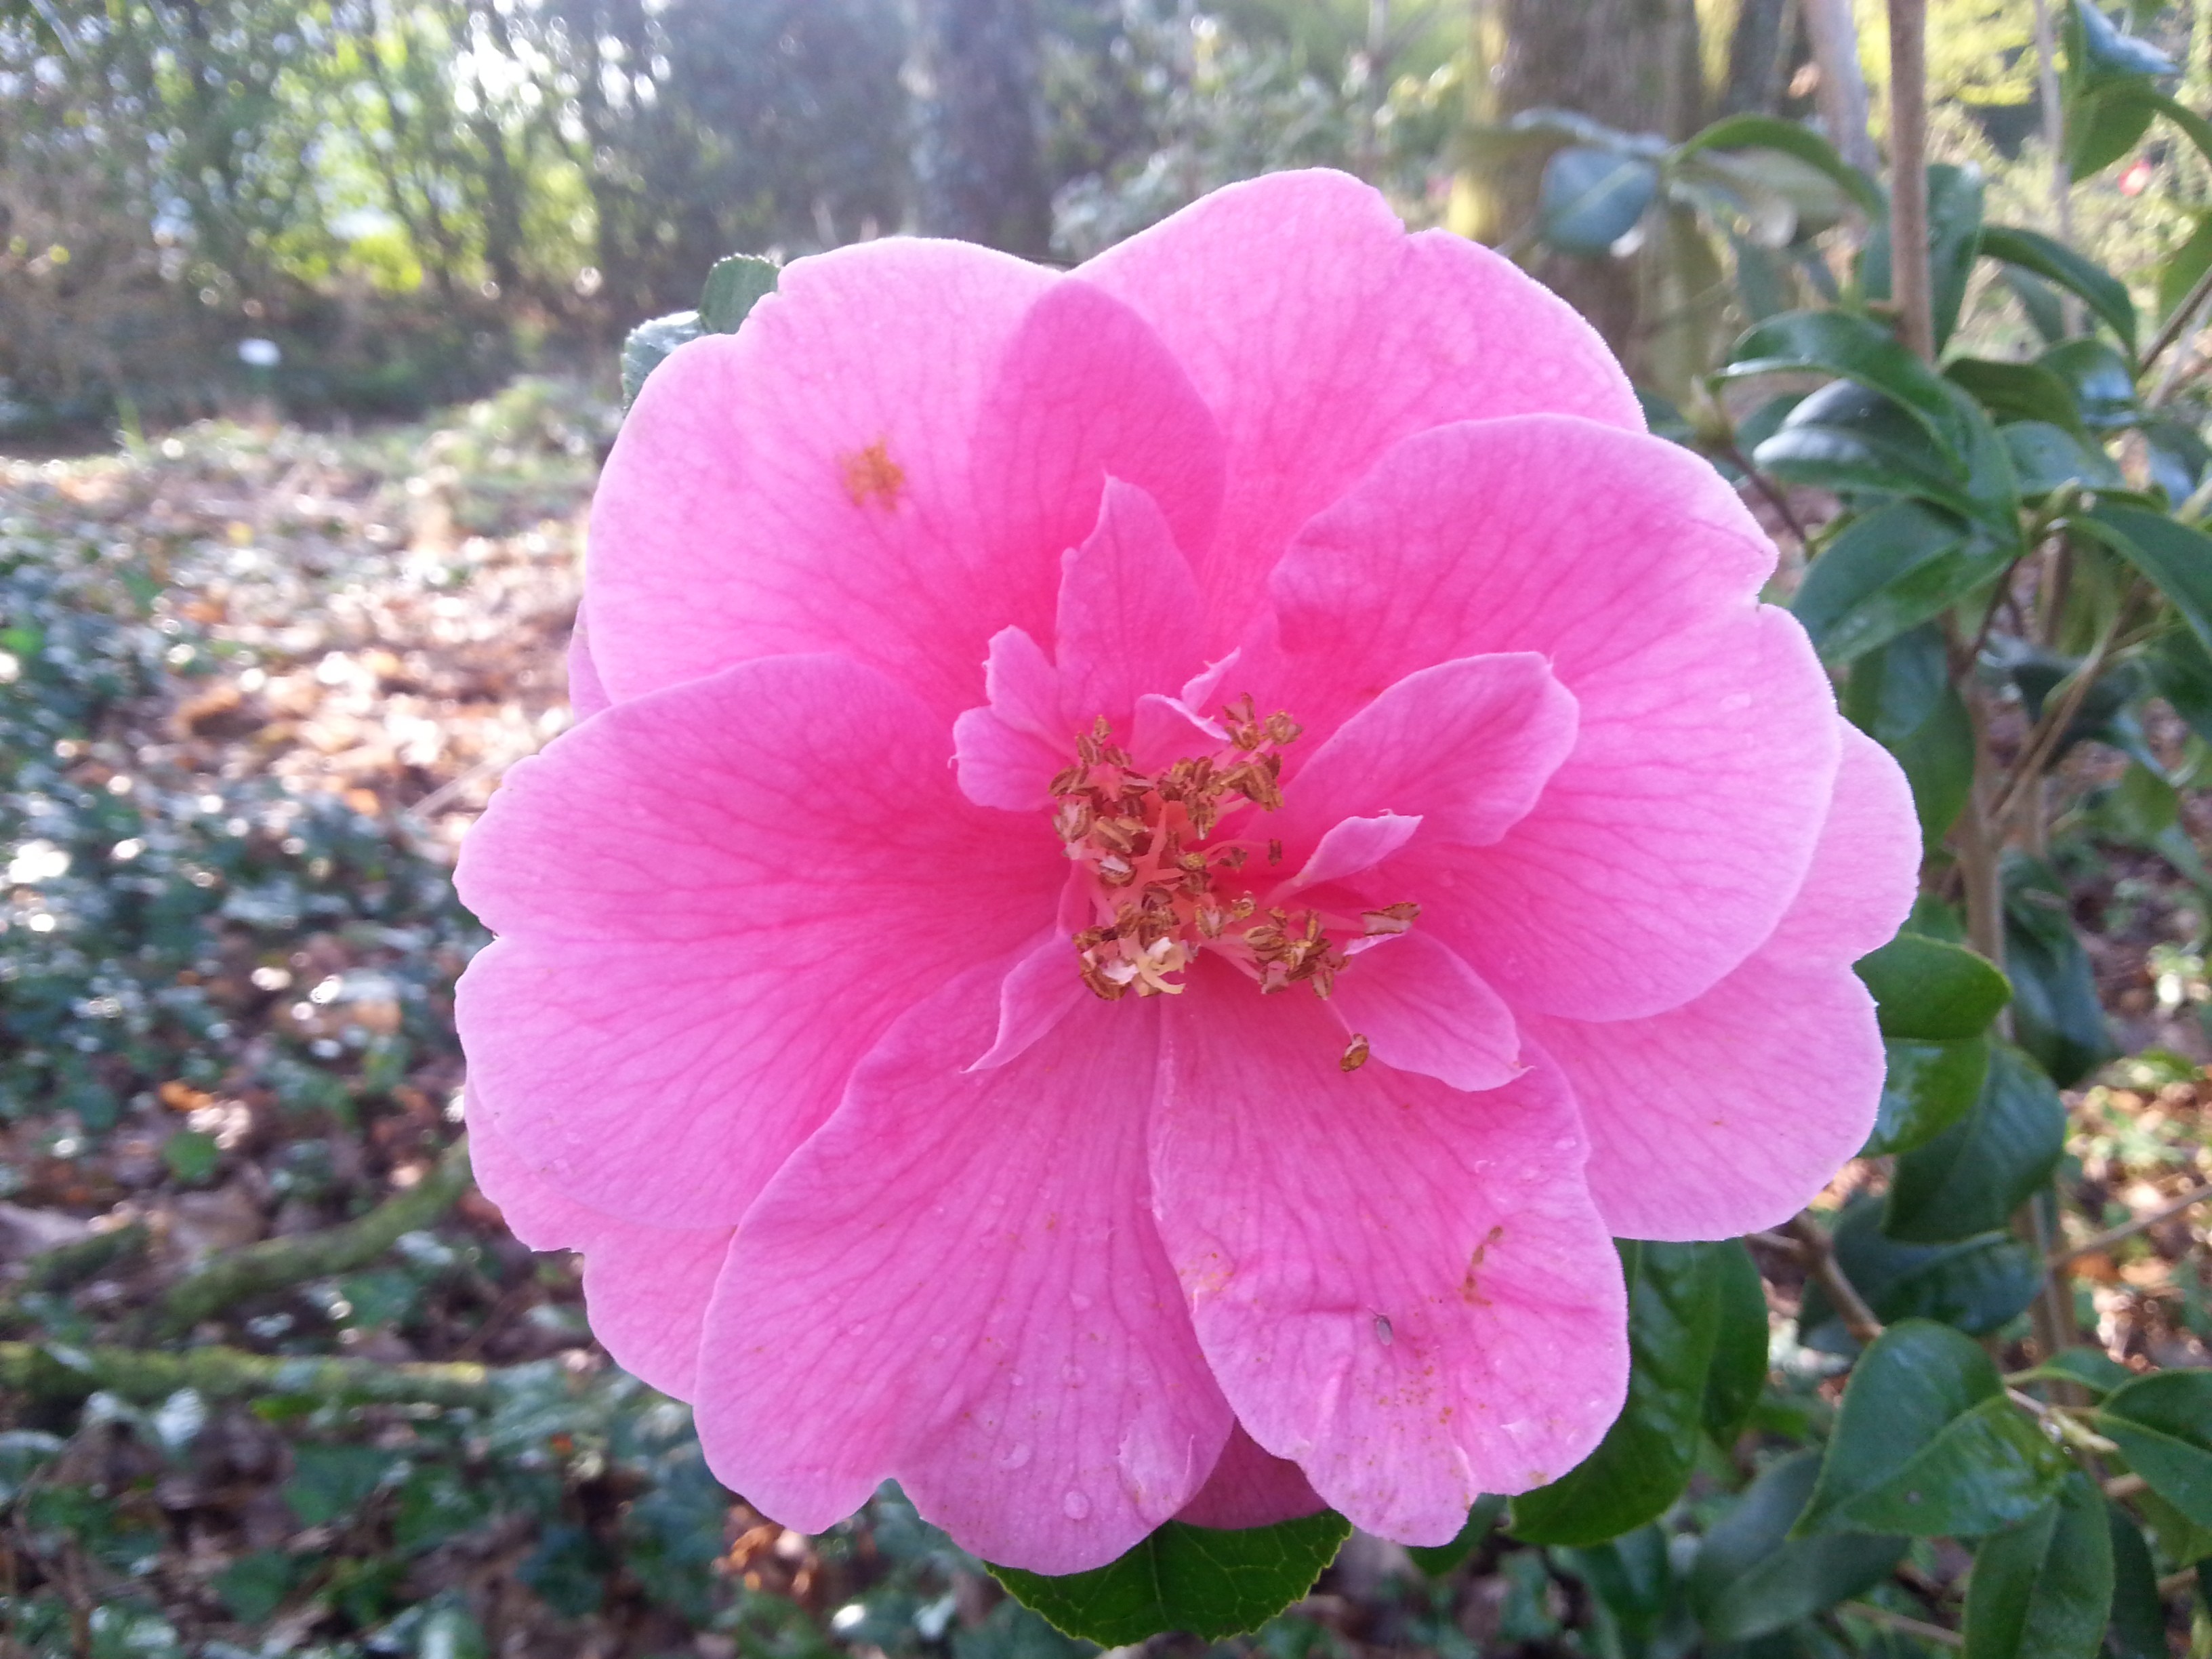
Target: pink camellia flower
{"type": "Point", "coordinates": [1160, 857]}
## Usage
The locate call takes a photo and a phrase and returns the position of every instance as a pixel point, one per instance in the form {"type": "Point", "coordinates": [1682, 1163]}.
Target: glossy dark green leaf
{"type": "Point", "coordinates": [2163, 1425]}
{"type": "Point", "coordinates": [1976, 1285]}
{"type": "Point", "coordinates": [2091, 1368]}
{"type": "Point", "coordinates": [2043, 1589]}
{"type": "Point", "coordinates": [2102, 386]}
{"type": "Point", "coordinates": [734, 287]}
{"type": "Point", "coordinates": [1438, 1560]}
{"type": "Point", "coordinates": [2179, 670]}
{"type": "Point", "coordinates": [2015, 391]}
{"type": "Point", "coordinates": [2177, 559]}
{"type": "Point", "coordinates": [1926, 1087]}
{"type": "Point", "coordinates": [1752, 1576]}
{"type": "Point", "coordinates": [2107, 50]}
{"type": "Point", "coordinates": [1739, 1343]}
{"type": "Point", "coordinates": [2054, 262]}
{"type": "Point", "coordinates": [649, 346]}
{"type": "Point", "coordinates": [2177, 456]}
{"type": "Point", "coordinates": [1855, 463]}
{"type": "Point", "coordinates": [2056, 1015]}
{"type": "Point", "coordinates": [1889, 571]}
{"type": "Point", "coordinates": [2186, 266]}
{"type": "Point", "coordinates": [1973, 1177]}
{"type": "Point", "coordinates": [2136, 1628]}
{"type": "Point", "coordinates": [1644, 1459]}
{"type": "Point", "coordinates": [1926, 1443]}
{"type": "Point", "coordinates": [1903, 698]}
{"type": "Point", "coordinates": [1771, 132]}
{"type": "Point", "coordinates": [1212, 1585]}
{"type": "Point", "coordinates": [1633, 1582]}
{"type": "Point", "coordinates": [2104, 123]}
{"type": "Point", "coordinates": [1954, 229]}
{"type": "Point", "coordinates": [1858, 350]}
{"type": "Point", "coordinates": [2044, 311]}
{"type": "Point", "coordinates": [1589, 197]}
{"type": "Point", "coordinates": [1930, 991]}
{"type": "Point", "coordinates": [2048, 457]}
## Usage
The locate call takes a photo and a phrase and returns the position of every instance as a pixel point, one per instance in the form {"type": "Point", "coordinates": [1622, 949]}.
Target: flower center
{"type": "Point", "coordinates": [1171, 867]}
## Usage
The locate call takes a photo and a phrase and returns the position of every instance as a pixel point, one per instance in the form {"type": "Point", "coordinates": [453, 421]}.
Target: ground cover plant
{"type": "Point", "coordinates": [276, 1379]}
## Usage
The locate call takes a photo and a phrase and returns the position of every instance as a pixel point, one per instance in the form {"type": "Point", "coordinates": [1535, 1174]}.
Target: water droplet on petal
{"type": "Point", "coordinates": [1015, 1456]}
{"type": "Point", "coordinates": [1075, 1505]}
{"type": "Point", "coordinates": [1018, 1379]}
{"type": "Point", "coordinates": [938, 1343]}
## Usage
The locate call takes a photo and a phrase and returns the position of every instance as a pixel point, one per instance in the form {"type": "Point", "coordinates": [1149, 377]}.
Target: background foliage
{"type": "Point", "coordinates": [274, 1379]}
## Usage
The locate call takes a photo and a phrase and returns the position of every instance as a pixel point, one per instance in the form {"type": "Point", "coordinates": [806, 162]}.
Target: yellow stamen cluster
{"type": "Point", "coordinates": [1163, 890]}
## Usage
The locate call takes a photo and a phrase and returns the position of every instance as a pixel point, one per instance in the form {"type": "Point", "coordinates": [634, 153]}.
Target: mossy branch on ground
{"type": "Point", "coordinates": [51, 1370]}
{"type": "Point", "coordinates": [277, 1263]}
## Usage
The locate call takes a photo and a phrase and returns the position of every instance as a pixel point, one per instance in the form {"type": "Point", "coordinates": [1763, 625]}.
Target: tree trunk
{"type": "Point", "coordinates": [979, 173]}
{"type": "Point", "coordinates": [1758, 57]}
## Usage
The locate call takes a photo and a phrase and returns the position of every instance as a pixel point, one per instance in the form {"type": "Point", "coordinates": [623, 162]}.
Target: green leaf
{"type": "Point", "coordinates": [2047, 456]}
{"type": "Point", "coordinates": [1847, 462]}
{"type": "Point", "coordinates": [2053, 261]}
{"type": "Point", "coordinates": [2042, 1589]}
{"type": "Point", "coordinates": [1861, 351]}
{"type": "Point", "coordinates": [2137, 1626]}
{"type": "Point", "coordinates": [1973, 1177]}
{"type": "Point", "coordinates": [2177, 559]}
{"type": "Point", "coordinates": [192, 1156]}
{"type": "Point", "coordinates": [2103, 124]}
{"type": "Point", "coordinates": [1927, 1445]}
{"type": "Point", "coordinates": [2163, 1425]}
{"type": "Point", "coordinates": [254, 1586]}
{"type": "Point", "coordinates": [734, 287]}
{"type": "Point", "coordinates": [1926, 1087]}
{"type": "Point", "coordinates": [1633, 1582]}
{"type": "Point", "coordinates": [2180, 671]}
{"type": "Point", "coordinates": [2183, 268]}
{"type": "Point", "coordinates": [1887, 572]}
{"type": "Point", "coordinates": [1902, 697]}
{"type": "Point", "coordinates": [2091, 1368]}
{"type": "Point", "coordinates": [1927, 991]}
{"type": "Point", "coordinates": [2106, 51]}
{"type": "Point", "coordinates": [1589, 197]}
{"type": "Point", "coordinates": [1738, 1376]}
{"type": "Point", "coordinates": [1752, 1576]}
{"type": "Point", "coordinates": [2015, 391]}
{"type": "Point", "coordinates": [1954, 229]}
{"type": "Point", "coordinates": [1644, 1459]}
{"type": "Point", "coordinates": [649, 346]}
{"type": "Point", "coordinates": [2102, 386]}
{"type": "Point", "coordinates": [1213, 1584]}
{"type": "Point", "coordinates": [1976, 1285]}
{"type": "Point", "coordinates": [2056, 1015]}
{"type": "Point", "coordinates": [330, 1482]}
{"type": "Point", "coordinates": [1771, 132]}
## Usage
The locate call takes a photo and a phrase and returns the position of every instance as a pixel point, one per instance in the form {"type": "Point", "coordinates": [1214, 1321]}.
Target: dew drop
{"type": "Point", "coordinates": [1075, 1506]}
{"type": "Point", "coordinates": [1015, 1456]}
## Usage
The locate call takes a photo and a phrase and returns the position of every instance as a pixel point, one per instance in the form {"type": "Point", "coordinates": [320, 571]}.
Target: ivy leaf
{"type": "Point", "coordinates": [1212, 1584]}
{"type": "Point", "coordinates": [1928, 1445]}
{"type": "Point", "coordinates": [1974, 1176]}
{"type": "Point", "coordinates": [2163, 1425]}
{"type": "Point", "coordinates": [1753, 1576]}
{"type": "Point", "coordinates": [2042, 1589]}
{"type": "Point", "coordinates": [1644, 1459]}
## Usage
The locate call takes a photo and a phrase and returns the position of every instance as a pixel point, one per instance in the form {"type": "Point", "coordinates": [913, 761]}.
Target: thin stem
{"type": "Point", "coordinates": [2054, 123]}
{"type": "Point", "coordinates": [1902, 1624]}
{"type": "Point", "coordinates": [2127, 1230]}
{"type": "Point", "coordinates": [2050, 730]}
{"type": "Point", "coordinates": [1766, 487]}
{"type": "Point", "coordinates": [1820, 1258]}
{"type": "Point", "coordinates": [1909, 278]}
{"type": "Point", "coordinates": [30, 1370]}
{"type": "Point", "coordinates": [2178, 323]}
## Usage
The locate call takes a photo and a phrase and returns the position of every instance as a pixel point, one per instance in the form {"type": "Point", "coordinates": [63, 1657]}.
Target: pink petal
{"type": "Point", "coordinates": [1751, 1097]}
{"type": "Point", "coordinates": [1422, 1009]}
{"type": "Point", "coordinates": [1666, 847]}
{"type": "Point", "coordinates": [587, 697]}
{"type": "Point", "coordinates": [1249, 1488]}
{"type": "Point", "coordinates": [1009, 750]}
{"type": "Point", "coordinates": [1042, 989]}
{"type": "Point", "coordinates": [1729, 1114]}
{"type": "Point", "coordinates": [712, 901]}
{"type": "Point", "coordinates": [957, 1284]}
{"type": "Point", "coordinates": [1350, 849]}
{"type": "Point", "coordinates": [1085, 390]}
{"type": "Point", "coordinates": [1129, 622]}
{"type": "Point", "coordinates": [886, 461]}
{"type": "Point", "coordinates": [1320, 333]}
{"type": "Point", "coordinates": [1466, 746]}
{"type": "Point", "coordinates": [646, 1289]}
{"type": "Point", "coordinates": [1401, 1287]}
{"type": "Point", "coordinates": [1866, 870]}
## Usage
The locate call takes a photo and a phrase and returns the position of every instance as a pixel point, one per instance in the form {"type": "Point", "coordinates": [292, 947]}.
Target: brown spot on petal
{"type": "Point", "coordinates": [870, 475]}
{"type": "Point", "coordinates": [1467, 1287]}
